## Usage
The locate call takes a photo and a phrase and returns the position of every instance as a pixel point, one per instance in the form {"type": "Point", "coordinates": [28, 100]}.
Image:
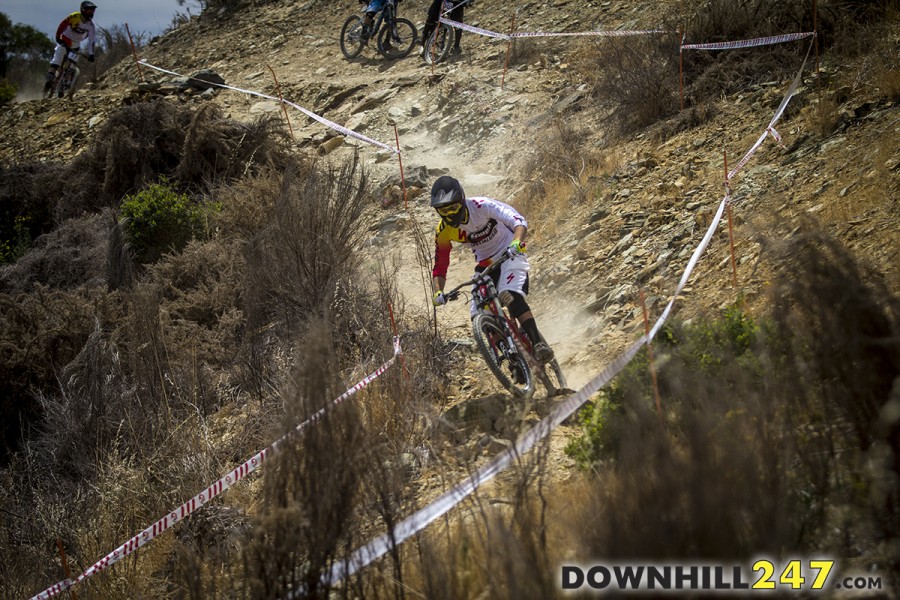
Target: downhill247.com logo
{"type": "Point", "coordinates": [764, 575]}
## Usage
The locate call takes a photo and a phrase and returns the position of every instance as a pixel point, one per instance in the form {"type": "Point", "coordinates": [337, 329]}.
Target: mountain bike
{"type": "Point", "coordinates": [395, 36]}
{"type": "Point", "coordinates": [66, 76]}
{"type": "Point", "coordinates": [439, 42]}
{"type": "Point", "coordinates": [505, 348]}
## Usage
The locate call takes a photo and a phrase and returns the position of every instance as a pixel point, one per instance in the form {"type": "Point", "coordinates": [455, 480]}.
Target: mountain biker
{"type": "Point", "coordinates": [434, 15]}
{"type": "Point", "coordinates": [73, 30]}
{"type": "Point", "coordinates": [493, 229]}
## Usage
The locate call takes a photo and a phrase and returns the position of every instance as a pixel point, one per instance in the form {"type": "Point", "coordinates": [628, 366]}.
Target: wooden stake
{"type": "Point", "coordinates": [512, 28]}
{"type": "Point", "coordinates": [400, 158]}
{"type": "Point", "coordinates": [134, 53]}
{"type": "Point", "coordinates": [65, 563]}
{"type": "Point", "coordinates": [681, 68]}
{"type": "Point", "coordinates": [650, 357]}
{"type": "Point", "coordinates": [730, 226]}
{"type": "Point", "coordinates": [281, 100]}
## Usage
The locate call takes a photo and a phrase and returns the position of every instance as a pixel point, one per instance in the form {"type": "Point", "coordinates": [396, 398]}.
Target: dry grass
{"type": "Point", "coordinates": [638, 84]}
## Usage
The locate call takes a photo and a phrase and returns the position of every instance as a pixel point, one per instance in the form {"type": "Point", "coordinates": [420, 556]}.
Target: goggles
{"type": "Point", "coordinates": [450, 209]}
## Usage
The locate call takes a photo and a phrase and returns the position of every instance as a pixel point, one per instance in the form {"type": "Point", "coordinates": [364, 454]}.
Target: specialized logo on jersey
{"type": "Point", "coordinates": [484, 234]}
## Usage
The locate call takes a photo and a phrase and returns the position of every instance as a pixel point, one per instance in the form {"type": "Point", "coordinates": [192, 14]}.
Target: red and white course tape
{"type": "Point", "coordinates": [763, 41]}
{"type": "Point", "coordinates": [308, 113]}
{"type": "Point", "coordinates": [527, 34]}
{"type": "Point", "coordinates": [185, 510]}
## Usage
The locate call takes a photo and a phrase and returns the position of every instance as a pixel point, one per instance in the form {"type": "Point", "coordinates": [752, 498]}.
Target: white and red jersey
{"type": "Point", "coordinates": [488, 230]}
{"type": "Point", "coordinates": [75, 28]}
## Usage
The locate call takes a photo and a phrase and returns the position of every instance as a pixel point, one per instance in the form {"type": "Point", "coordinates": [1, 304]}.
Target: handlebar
{"type": "Point", "coordinates": [454, 293]}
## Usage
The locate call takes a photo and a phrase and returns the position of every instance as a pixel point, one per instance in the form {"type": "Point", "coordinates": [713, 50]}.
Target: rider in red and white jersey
{"type": "Point", "coordinates": [491, 228]}
{"type": "Point", "coordinates": [74, 29]}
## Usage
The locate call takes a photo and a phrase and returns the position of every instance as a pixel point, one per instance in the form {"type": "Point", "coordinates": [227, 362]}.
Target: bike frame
{"type": "Point", "coordinates": [69, 65]}
{"type": "Point", "coordinates": [508, 342]}
{"type": "Point", "coordinates": [380, 20]}
{"type": "Point", "coordinates": [487, 301]}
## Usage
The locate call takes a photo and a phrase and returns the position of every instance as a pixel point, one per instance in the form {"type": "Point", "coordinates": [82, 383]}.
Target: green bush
{"type": "Point", "coordinates": [724, 350]}
{"type": "Point", "coordinates": [159, 219]}
{"type": "Point", "coordinates": [7, 91]}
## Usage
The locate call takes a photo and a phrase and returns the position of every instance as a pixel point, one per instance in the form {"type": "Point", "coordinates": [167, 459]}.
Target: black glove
{"type": "Point", "coordinates": [90, 58]}
{"type": "Point", "coordinates": [59, 42]}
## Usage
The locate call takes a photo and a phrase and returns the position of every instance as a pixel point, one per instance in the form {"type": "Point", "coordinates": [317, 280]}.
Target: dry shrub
{"type": "Point", "coordinates": [634, 78]}
{"type": "Point", "coordinates": [69, 256]}
{"type": "Point", "coordinates": [216, 148]}
{"type": "Point", "coordinates": [311, 484]}
{"type": "Point", "coordinates": [200, 288]}
{"type": "Point", "coordinates": [28, 194]}
{"type": "Point", "coordinates": [142, 142]}
{"type": "Point", "coordinates": [295, 263]}
{"type": "Point", "coordinates": [40, 333]}
{"type": "Point", "coordinates": [823, 117]}
{"type": "Point", "coordinates": [849, 26]}
{"type": "Point", "coordinates": [561, 155]}
{"type": "Point", "coordinates": [497, 547]}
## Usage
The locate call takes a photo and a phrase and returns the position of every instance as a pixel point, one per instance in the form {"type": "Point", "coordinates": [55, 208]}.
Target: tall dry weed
{"type": "Point", "coordinates": [307, 246]}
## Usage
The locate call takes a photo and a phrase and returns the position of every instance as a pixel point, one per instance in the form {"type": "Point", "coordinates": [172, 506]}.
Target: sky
{"type": "Point", "coordinates": [147, 16]}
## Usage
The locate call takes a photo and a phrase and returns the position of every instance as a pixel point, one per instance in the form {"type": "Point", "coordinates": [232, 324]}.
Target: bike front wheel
{"type": "Point", "coordinates": [397, 41]}
{"type": "Point", "coordinates": [352, 36]}
{"type": "Point", "coordinates": [507, 364]}
{"type": "Point", "coordinates": [67, 83]}
{"type": "Point", "coordinates": [437, 47]}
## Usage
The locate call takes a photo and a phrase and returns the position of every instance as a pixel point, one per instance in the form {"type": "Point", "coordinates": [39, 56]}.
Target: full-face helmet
{"type": "Point", "coordinates": [448, 199]}
{"type": "Point", "coordinates": [87, 10]}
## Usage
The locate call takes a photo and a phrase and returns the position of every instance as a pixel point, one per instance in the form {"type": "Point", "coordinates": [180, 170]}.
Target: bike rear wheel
{"type": "Point", "coordinates": [397, 41]}
{"type": "Point", "coordinates": [437, 47]}
{"type": "Point", "coordinates": [507, 364]}
{"type": "Point", "coordinates": [352, 37]}
{"type": "Point", "coordinates": [552, 378]}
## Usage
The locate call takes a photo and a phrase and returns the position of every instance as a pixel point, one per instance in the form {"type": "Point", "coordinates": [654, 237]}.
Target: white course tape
{"type": "Point", "coordinates": [770, 128]}
{"type": "Point", "coordinates": [763, 41]}
{"type": "Point", "coordinates": [525, 34]}
{"type": "Point", "coordinates": [185, 510]}
{"type": "Point", "coordinates": [609, 33]}
{"type": "Point", "coordinates": [310, 114]}
{"type": "Point", "coordinates": [470, 28]}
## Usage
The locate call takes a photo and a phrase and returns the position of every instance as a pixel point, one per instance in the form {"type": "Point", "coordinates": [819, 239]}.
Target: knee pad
{"type": "Point", "coordinates": [517, 305]}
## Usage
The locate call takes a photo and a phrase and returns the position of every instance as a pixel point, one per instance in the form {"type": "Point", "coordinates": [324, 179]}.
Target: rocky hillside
{"type": "Point", "coordinates": [641, 202]}
{"type": "Point", "coordinates": [613, 212]}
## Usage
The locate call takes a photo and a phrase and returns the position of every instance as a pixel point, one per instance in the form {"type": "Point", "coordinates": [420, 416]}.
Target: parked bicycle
{"type": "Point", "coordinates": [440, 40]}
{"type": "Point", "coordinates": [395, 36]}
{"type": "Point", "coordinates": [504, 347]}
{"type": "Point", "coordinates": [66, 76]}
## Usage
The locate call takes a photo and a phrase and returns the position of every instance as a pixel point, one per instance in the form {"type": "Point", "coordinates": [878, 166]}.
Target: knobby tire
{"type": "Point", "coordinates": [351, 37]}
{"type": "Point", "coordinates": [488, 337]}
{"type": "Point", "coordinates": [438, 45]}
{"type": "Point", "coordinates": [401, 44]}
{"type": "Point", "coordinates": [67, 83]}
